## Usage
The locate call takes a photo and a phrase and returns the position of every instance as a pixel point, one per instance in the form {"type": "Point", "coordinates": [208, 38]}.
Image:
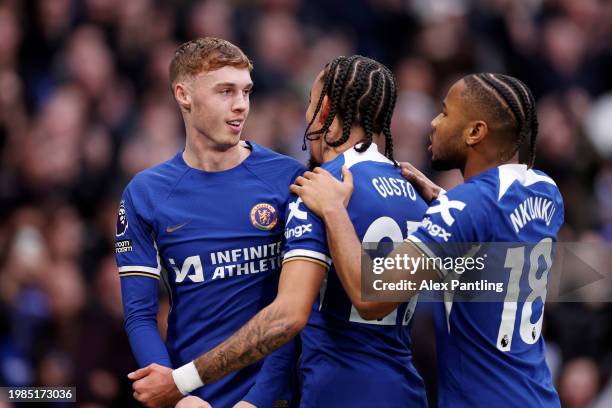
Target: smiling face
{"type": "Point", "coordinates": [211, 82]}
{"type": "Point", "coordinates": [219, 104]}
{"type": "Point", "coordinates": [448, 148]}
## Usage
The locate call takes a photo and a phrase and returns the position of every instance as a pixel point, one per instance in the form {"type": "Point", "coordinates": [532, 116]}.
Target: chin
{"type": "Point", "coordinates": [442, 165]}
{"type": "Point", "coordinates": [229, 142]}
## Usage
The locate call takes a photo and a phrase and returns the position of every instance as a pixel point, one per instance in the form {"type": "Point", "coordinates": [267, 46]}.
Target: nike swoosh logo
{"type": "Point", "coordinates": [170, 230]}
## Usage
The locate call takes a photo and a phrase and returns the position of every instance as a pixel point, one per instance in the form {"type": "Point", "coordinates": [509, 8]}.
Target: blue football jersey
{"type": "Point", "coordinates": [219, 237]}
{"type": "Point", "coordinates": [348, 361]}
{"type": "Point", "coordinates": [492, 353]}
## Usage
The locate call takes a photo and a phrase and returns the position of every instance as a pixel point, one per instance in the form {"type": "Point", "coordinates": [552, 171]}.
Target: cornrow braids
{"type": "Point", "coordinates": [386, 124]}
{"type": "Point", "coordinates": [532, 122]}
{"type": "Point", "coordinates": [362, 92]}
{"type": "Point", "coordinates": [368, 126]}
{"type": "Point", "coordinates": [348, 99]}
{"type": "Point", "coordinates": [512, 104]}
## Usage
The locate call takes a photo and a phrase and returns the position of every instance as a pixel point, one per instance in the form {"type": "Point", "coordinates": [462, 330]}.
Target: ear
{"type": "Point", "coordinates": [182, 96]}
{"type": "Point", "coordinates": [476, 132]}
{"type": "Point", "coordinates": [324, 111]}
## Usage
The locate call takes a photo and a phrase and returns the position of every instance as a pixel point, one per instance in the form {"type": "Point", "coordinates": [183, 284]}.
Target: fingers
{"type": "Point", "coordinates": [140, 397]}
{"type": "Point", "coordinates": [408, 175]}
{"type": "Point", "coordinates": [318, 175]}
{"type": "Point", "coordinates": [141, 373]}
{"type": "Point", "coordinates": [300, 181]}
{"type": "Point", "coordinates": [409, 167]}
{"type": "Point", "coordinates": [347, 176]}
{"type": "Point", "coordinates": [244, 404]}
{"type": "Point", "coordinates": [295, 189]}
{"type": "Point", "coordinates": [406, 165]}
{"type": "Point", "coordinates": [314, 175]}
{"type": "Point", "coordinates": [320, 170]}
{"type": "Point", "coordinates": [137, 385]}
{"type": "Point", "coordinates": [410, 172]}
{"type": "Point", "coordinates": [192, 402]}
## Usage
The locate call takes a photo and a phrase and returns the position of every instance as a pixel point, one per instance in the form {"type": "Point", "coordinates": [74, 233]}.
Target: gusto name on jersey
{"type": "Point", "coordinates": [393, 187]}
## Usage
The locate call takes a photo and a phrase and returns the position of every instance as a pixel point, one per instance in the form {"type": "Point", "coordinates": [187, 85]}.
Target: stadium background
{"type": "Point", "coordinates": [85, 104]}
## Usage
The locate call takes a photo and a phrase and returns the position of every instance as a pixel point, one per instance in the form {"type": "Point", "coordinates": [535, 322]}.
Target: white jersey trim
{"type": "Point", "coordinates": [306, 253]}
{"type": "Point", "coordinates": [352, 156]}
{"type": "Point", "coordinates": [509, 173]}
{"type": "Point", "coordinates": [140, 268]}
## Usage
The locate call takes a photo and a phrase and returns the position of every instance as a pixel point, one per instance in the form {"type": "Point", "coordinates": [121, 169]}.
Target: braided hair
{"type": "Point", "coordinates": [362, 92]}
{"type": "Point", "coordinates": [512, 106]}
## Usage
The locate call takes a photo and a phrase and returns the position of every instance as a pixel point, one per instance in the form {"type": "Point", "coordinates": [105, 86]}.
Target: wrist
{"type": "Point", "coordinates": [332, 212]}
{"type": "Point", "coordinates": [187, 378]}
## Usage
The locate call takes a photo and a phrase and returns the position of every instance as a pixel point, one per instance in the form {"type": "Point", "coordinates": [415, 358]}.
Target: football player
{"type": "Point", "coordinates": [347, 360]}
{"type": "Point", "coordinates": [212, 217]}
{"type": "Point", "coordinates": [489, 353]}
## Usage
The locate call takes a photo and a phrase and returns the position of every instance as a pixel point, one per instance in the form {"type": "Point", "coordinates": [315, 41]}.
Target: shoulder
{"type": "Point", "coordinates": [467, 210]}
{"type": "Point", "coordinates": [480, 191]}
{"type": "Point", "coordinates": [546, 183]}
{"type": "Point", "coordinates": [273, 168]}
{"type": "Point", "coordinates": [267, 157]}
{"type": "Point", "coordinates": [519, 175]}
{"type": "Point", "coordinates": [155, 181]}
{"type": "Point", "coordinates": [334, 167]}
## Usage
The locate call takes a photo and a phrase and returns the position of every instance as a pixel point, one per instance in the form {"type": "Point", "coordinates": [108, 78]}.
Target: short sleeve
{"type": "Point", "coordinates": [135, 249]}
{"type": "Point", "coordinates": [454, 223]}
{"type": "Point", "coordinates": [305, 234]}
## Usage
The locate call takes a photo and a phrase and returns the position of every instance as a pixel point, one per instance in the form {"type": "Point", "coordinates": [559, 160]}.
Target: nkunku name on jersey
{"type": "Point", "coordinates": [492, 353]}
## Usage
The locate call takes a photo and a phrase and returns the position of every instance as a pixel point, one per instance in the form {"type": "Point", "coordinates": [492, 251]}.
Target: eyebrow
{"type": "Point", "coordinates": [232, 85]}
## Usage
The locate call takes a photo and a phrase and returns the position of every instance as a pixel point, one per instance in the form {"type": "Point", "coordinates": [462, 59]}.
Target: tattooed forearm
{"type": "Point", "coordinates": [271, 328]}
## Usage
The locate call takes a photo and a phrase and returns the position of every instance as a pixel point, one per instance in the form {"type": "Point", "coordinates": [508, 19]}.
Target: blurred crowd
{"type": "Point", "coordinates": [85, 104]}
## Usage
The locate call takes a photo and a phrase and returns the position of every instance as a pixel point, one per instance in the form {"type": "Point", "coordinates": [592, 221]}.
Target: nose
{"type": "Point", "coordinates": [434, 122]}
{"type": "Point", "coordinates": [241, 103]}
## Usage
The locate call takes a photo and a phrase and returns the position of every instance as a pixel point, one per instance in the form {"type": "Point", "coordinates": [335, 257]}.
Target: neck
{"type": "Point", "coordinates": [202, 154]}
{"type": "Point", "coordinates": [475, 165]}
{"type": "Point", "coordinates": [330, 153]}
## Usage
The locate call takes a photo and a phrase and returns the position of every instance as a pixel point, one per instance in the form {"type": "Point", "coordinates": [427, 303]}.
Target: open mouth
{"type": "Point", "coordinates": [235, 125]}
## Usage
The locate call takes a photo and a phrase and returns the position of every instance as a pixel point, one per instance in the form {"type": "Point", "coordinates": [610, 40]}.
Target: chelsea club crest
{"type": "Point", "coordinates": [264, 216]}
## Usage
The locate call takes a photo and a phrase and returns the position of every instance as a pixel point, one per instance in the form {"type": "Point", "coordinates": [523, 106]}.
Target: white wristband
{"type": "Point", "coordinates": [187, 378]}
